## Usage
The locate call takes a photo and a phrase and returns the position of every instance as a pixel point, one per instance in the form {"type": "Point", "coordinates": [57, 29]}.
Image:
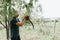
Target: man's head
{"type": "Point", "coordinates": [15, 13]}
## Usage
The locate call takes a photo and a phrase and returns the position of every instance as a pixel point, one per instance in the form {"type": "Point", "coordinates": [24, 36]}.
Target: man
{"type": "Point", "coordinates": [14, 28]}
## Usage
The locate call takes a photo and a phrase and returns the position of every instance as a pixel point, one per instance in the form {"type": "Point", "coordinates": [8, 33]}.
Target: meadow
{"type": "Point", "coordinates": [41, 31]}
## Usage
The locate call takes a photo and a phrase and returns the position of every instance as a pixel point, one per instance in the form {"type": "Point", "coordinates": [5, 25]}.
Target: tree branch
{"type": "Point", "coordinates": [2, 24]}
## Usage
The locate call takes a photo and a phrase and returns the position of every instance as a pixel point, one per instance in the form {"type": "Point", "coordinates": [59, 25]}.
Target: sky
{"type": "Point", "coordinates": [51, 8]}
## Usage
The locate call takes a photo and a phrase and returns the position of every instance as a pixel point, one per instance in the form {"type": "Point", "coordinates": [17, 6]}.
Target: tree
{"type": "Point", "coordinates": [5, 14]}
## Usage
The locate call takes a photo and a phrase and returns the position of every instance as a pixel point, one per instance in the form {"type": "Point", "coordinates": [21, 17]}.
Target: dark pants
{"type": "Point", "coordinates": [16, 38]}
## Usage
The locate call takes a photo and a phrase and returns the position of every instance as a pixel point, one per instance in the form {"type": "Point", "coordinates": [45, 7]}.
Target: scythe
{"type": "Point", "coordinates": [28, 6]}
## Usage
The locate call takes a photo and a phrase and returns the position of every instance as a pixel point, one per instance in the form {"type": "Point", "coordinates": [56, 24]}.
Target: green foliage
{"type": "Point", "coordinates": [7, 10]}
{"type": "Point", "coordinates": [28, 6]}
{"type": "Point", "coordinates": [8, 1]}
{"type": "Point", "coordinates": [31, 3]}
{"type": "Point", "coordinates": [1, 28]}
{"type": "Point", "coordinates": [10, 12]}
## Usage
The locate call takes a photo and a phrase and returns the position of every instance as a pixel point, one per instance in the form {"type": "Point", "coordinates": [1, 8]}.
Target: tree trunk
{"type": "Point", "coordinates": [7, 34]}
{"type": "Point", "coordinates": [7, 28]}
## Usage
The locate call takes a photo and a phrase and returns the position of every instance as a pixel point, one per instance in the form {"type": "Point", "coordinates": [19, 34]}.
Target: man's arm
{"type": "Point", "coordinates": [21, 23]}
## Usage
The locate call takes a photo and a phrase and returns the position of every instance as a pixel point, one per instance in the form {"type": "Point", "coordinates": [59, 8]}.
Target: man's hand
{"type": "Point", "coordinates": [26, 17]}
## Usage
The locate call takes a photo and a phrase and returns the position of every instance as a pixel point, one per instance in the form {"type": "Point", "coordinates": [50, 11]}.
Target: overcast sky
{"type": "Point", "coordinates": [51, 8]}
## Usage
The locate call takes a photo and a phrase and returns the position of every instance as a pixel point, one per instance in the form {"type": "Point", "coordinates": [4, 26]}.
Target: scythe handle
{"type": "Point", "coordinates": [31, 23]}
